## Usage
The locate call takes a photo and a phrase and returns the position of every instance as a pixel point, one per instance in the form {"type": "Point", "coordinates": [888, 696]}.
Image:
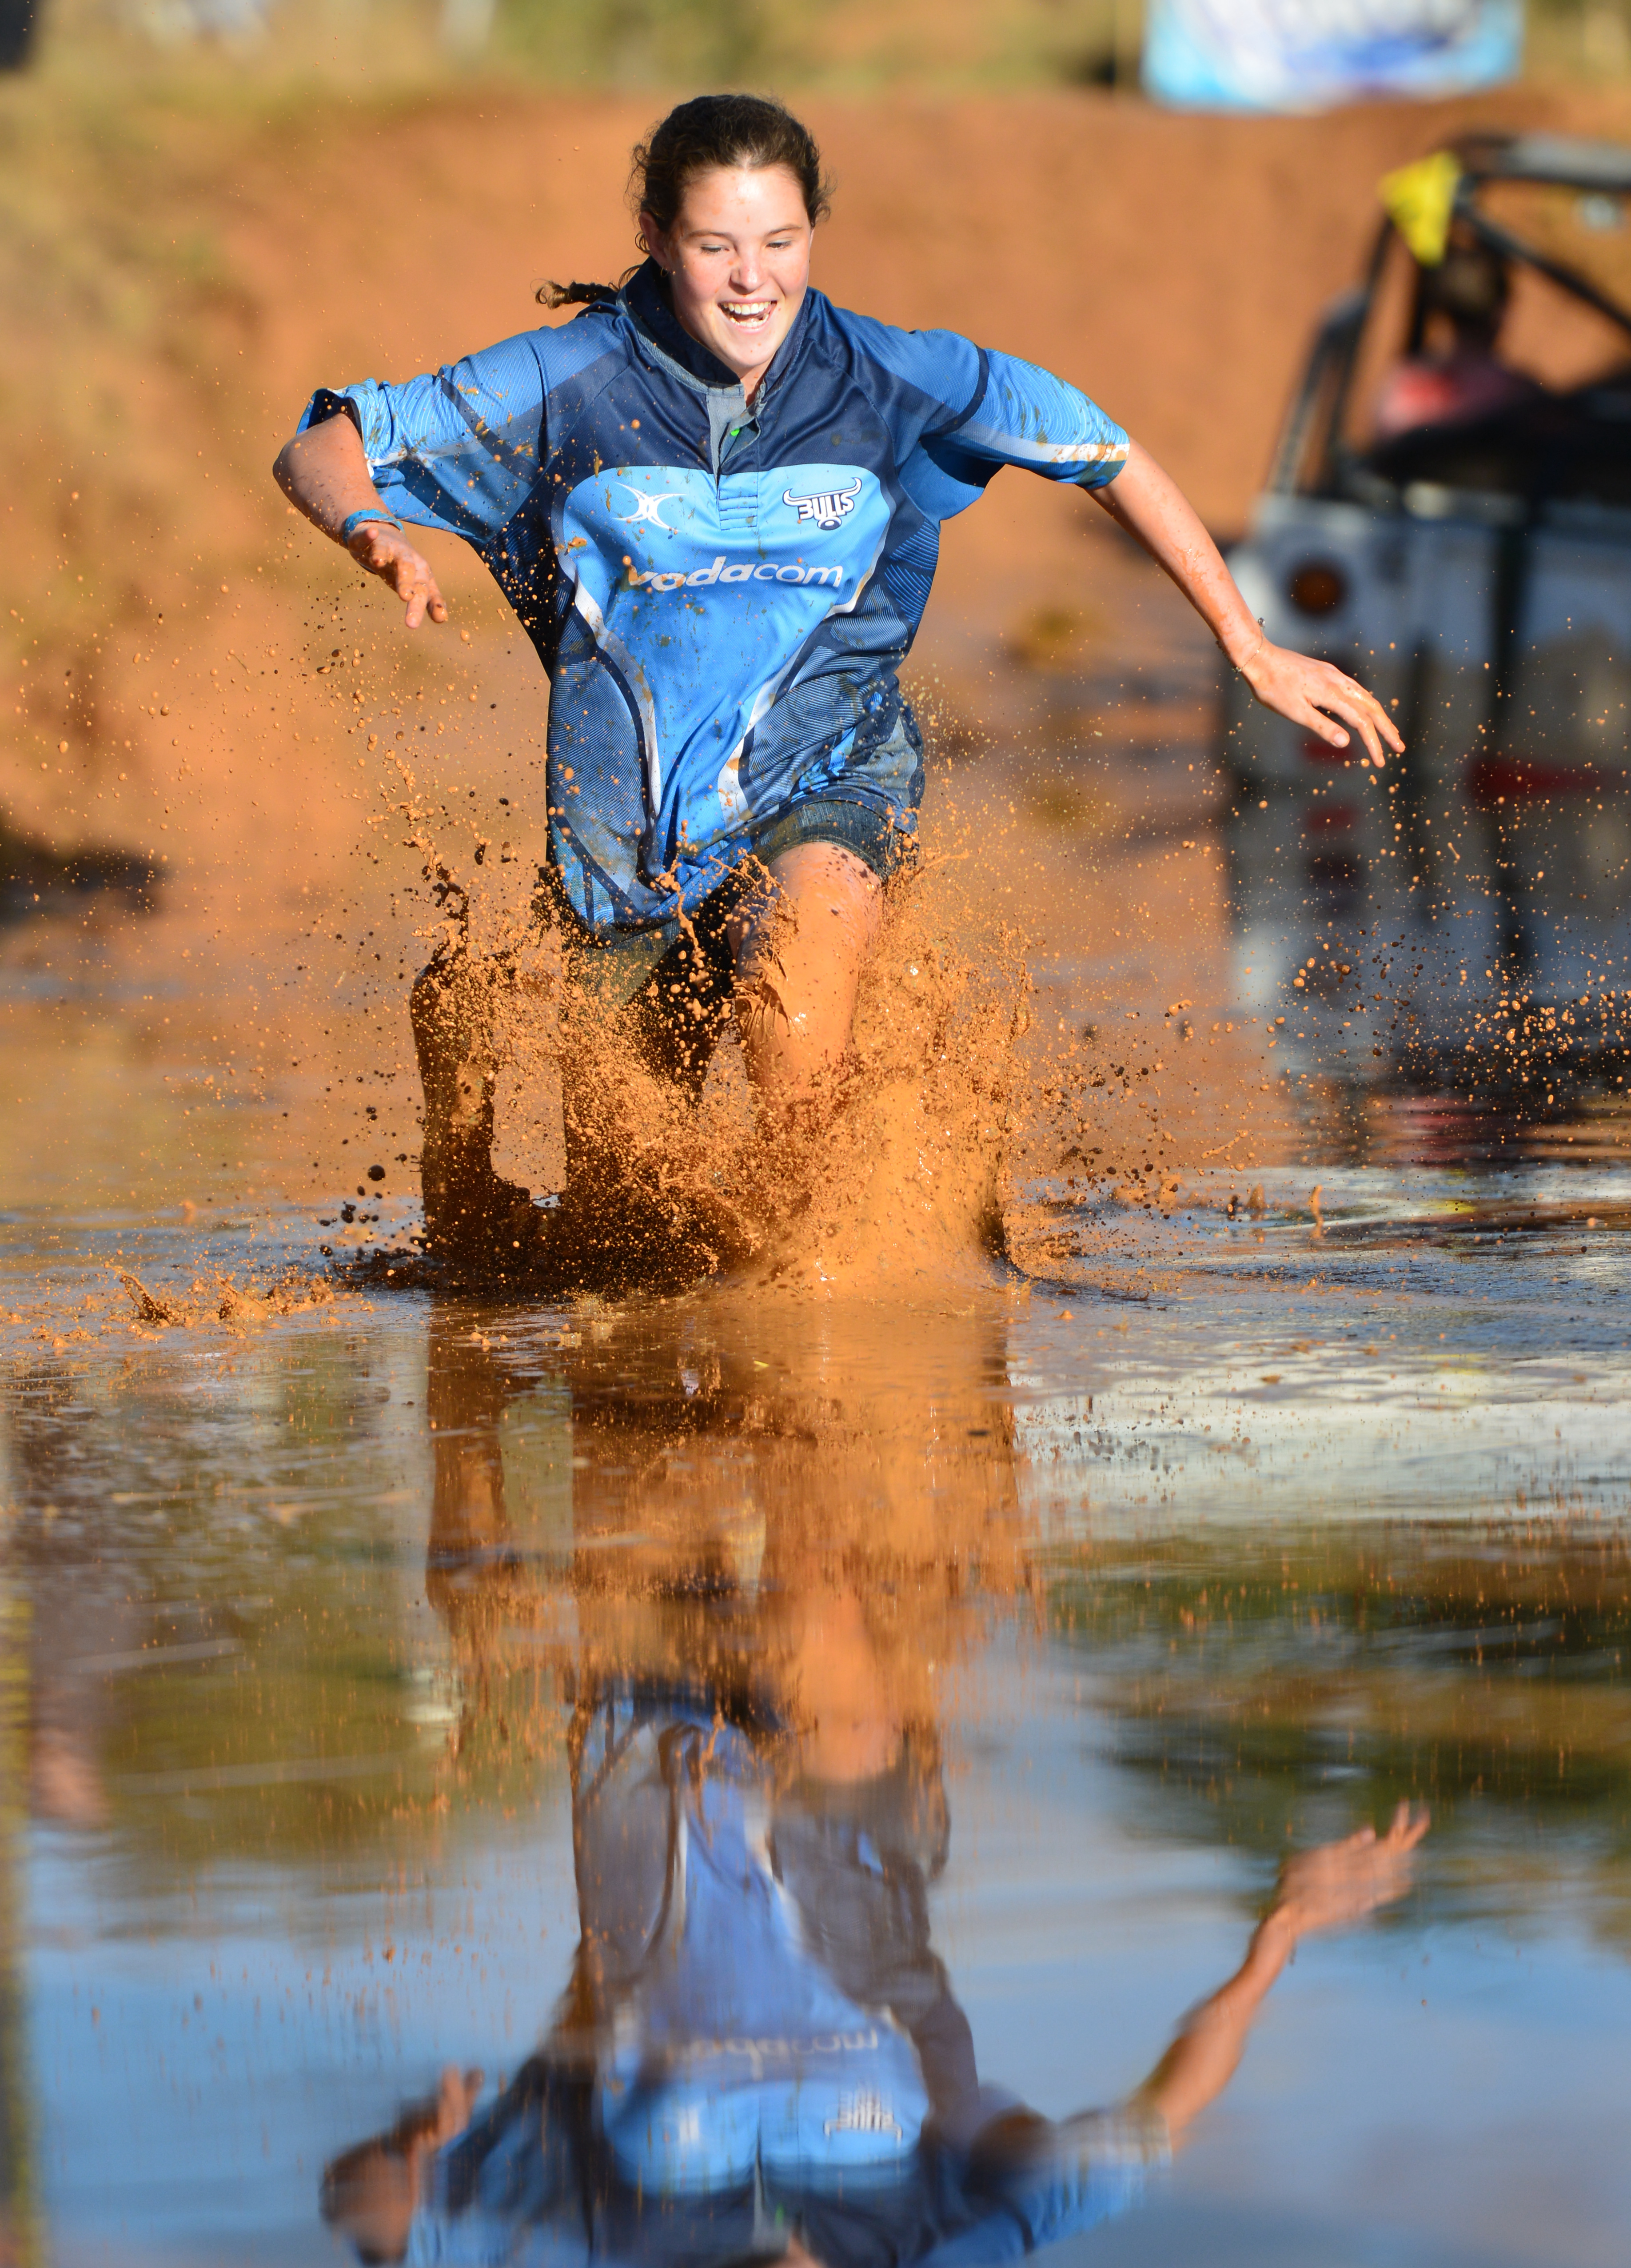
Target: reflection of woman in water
{"type": "Point", "coordinates": [714, 500]}
{"type": "Point", "coordinates": [759, 2056]}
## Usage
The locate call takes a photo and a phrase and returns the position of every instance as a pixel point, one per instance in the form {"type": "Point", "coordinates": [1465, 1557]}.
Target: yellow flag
{"type": "Point", "coordinates": [1417, 200]}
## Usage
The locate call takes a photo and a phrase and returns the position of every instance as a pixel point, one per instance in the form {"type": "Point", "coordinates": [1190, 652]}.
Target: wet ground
{"type": "Point", "coordinates": [1236, 1516]}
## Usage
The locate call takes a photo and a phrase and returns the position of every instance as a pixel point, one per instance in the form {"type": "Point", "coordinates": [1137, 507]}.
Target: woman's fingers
{"type": "Point", "coordinates": [1373, 721]}
{"type": "Point", "coordinates": [1337, 1883]}
{"type": "Point", "coordinates": [456, 2096]}
{"type": "Point", "coordinates": [1359, 723]}
{"type": "Point", "coordinates": [423, 598]}
{"type": "Point", "coordinates": [1408, 1828]}
{"type": "Point", "coordinates": [410, 577]}
{"type": "Point", "coordinates": [1367, 716]}
{"type": "Point", "coordinates": [1385, 726]}
{"type": "Point", "coordinates": [1358, 709]}
{"type": "Point", "coordinates": [1322, 701]}
{"type": "Point", "coordinates": [388, 555]}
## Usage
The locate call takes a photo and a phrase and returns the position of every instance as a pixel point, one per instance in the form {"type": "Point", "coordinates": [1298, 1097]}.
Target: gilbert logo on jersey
{"type": "Point", "coordinates": [827, 510]}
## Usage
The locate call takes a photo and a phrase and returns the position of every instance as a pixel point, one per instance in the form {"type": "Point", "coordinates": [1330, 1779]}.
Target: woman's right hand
{"type": "Point", "coordinates": [387, 552]}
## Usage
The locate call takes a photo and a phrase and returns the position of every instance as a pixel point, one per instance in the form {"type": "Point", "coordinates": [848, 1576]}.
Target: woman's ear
{"type": "Point", "coordinates": [651, 240]}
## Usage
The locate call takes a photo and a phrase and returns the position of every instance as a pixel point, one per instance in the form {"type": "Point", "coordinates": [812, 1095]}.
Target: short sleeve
{"type": "Point", "coordinates": [1033, 2183]}
{"type": "Point", "coordinates": [959, 412]}
{"type": "Point", "coordinates": [460, 449]}
{"type": "Point", "coordinates": [1094, 2167]}
{"type": "Point", "coordinates": [1027, 416]}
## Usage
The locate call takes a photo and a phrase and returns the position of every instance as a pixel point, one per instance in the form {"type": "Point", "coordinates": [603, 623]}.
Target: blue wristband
{"type": "Point", "coordinates": [349, 525]}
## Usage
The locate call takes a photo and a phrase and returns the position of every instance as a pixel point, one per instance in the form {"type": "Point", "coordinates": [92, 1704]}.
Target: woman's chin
{"type": "Point", "coordinates": [743, 350]}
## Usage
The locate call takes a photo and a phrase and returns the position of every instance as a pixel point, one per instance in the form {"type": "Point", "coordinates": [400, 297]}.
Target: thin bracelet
{"type": "Point", "coordinates": [354, 520]}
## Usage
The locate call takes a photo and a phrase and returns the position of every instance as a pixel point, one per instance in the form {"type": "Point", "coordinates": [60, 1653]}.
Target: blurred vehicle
{"type": "Point", "coordinates": [1448, 518]}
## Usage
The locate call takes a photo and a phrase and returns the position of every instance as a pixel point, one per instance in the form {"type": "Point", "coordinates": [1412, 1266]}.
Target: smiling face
{"type": "Point", "coordinates": [737, 261]}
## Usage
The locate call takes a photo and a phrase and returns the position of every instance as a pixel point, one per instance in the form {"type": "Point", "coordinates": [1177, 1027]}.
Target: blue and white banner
{"type": "Point", "coordinates": [1302, 54]}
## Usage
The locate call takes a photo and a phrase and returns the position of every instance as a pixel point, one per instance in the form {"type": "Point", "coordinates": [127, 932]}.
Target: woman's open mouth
{"type": "Point", "coordinates": [746, 314]}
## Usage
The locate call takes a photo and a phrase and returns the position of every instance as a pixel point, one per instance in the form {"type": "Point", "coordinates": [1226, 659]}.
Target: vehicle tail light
{"type": "Point", "coordinates": [1318, 586]}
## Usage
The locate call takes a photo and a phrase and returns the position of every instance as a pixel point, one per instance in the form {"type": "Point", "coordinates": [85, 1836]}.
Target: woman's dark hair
{"type": "Point", "coordinates": [710, 131]}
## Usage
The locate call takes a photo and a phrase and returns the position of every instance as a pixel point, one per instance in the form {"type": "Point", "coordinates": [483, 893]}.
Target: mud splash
{"type": "Point", "coordinates": [290, 1291]}
{"type": "Point", "coordinates": [132, 1306]}
{"type": "Point", "coordinates": [895, 1167]}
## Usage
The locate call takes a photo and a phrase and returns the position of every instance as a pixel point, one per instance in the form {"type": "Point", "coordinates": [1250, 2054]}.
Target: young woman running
{"type": "Point", "coordinates": [714, 500]}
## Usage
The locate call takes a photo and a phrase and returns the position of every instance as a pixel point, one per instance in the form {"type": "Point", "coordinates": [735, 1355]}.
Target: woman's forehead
{"type": "Point", "coordinates": [743, 197]}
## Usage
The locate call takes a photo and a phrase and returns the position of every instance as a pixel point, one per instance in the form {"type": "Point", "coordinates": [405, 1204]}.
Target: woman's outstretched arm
{"type": "Point", "coordinates": [1155, 513]}
{"type": "Point", "coordinates": [1330, 1888]}
{"type": "Point", "coordinates": [324, 473]}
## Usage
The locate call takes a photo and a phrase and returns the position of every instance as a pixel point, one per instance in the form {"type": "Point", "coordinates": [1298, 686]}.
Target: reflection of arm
{"type": "Point", "coordinates": [371, 2193]}
{"type": "Point", "coordinates": [1202, 2060]}
{"type": "Point", "coordinates": [1325, 1889]}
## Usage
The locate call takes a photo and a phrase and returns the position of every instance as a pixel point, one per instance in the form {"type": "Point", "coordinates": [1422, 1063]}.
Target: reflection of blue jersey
{"type": "Point", "coordinates": [722, 596]}
{"type": "Point", "coordinates": [735, 2048]}
{"type": "Point", "coordinates": [772, 2050]}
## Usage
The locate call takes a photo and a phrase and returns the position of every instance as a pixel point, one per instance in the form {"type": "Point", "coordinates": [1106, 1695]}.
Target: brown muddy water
{"type": "Point", "coordinates": [973, 1638]}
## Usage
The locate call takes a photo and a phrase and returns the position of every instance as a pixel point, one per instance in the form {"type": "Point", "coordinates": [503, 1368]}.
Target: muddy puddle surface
{"type": "Point", "coordinates": [784, 1767]}
{"type": "Point", "coordinates": [739, 1745]}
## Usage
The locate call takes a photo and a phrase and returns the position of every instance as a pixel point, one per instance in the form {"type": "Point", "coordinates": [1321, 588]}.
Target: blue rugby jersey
{"type": "Point", "coordinates": [722, 596]}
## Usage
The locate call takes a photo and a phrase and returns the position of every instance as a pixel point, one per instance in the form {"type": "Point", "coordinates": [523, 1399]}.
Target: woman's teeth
{"type": "Point", "coordinates": [748, 311]}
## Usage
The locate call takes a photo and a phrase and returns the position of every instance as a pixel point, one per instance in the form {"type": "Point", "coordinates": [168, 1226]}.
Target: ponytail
{"type": "Point", "coordinates": [581, 295]}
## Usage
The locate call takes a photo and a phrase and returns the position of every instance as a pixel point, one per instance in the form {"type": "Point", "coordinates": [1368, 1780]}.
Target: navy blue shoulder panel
{"type": "Point", "coordinates": [927, 382]}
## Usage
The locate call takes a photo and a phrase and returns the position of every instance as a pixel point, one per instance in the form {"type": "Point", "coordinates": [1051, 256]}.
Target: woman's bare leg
{"type": "Point", "coordinates": [799, 957]}
{"type": "Point", "coordinates": [469, 1211]}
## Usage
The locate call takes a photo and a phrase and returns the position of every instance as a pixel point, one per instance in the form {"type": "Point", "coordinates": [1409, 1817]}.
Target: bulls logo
{"type": "Point", "coordinates": [827, 510]}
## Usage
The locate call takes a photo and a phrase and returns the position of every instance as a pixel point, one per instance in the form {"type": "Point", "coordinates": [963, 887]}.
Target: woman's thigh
{"type": "Point", "coordinates": [800, 950]}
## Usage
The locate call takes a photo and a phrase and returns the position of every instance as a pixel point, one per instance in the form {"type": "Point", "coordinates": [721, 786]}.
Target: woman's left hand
{"type": "Point", "coordinates": [1303, 690]}
{"type": "Point", "coordinates": [1337, 1884]}
{"type": "Point", "coordinates": [1153, 509]}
